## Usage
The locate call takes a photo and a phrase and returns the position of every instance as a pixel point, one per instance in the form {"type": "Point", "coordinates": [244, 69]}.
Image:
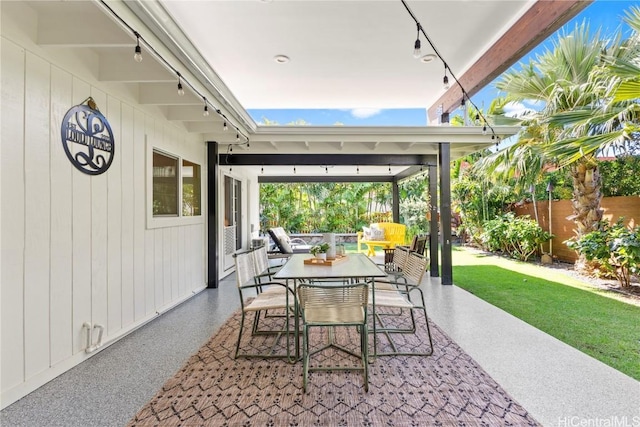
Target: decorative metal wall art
{"type": "Point", "coordinates": [87, 138]}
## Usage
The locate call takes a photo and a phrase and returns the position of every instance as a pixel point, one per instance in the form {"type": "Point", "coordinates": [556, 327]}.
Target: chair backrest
{"type": "Point", "coordinates": [245, 270]}
{"type": "Point", "coordinates": [400, 256]}
{"type": "Point", "coordinates": [261, 259]}
{"type": "Point", "coordinates": [281, 239]}
{"type": "Point", "coordinates": [334, 304]}
{"type": "Point", "coordinates": [393, 232]}
{"type": "Point", "coordinates": [415, 267]}
{"type": "Point", "coordinates": [420, 244]}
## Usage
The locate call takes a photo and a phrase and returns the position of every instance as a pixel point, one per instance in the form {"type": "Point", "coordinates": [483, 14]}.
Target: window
{"type": "Point", "coordinates": [176, 186]}
{"type": "Point", "coordinates": [165, 185]}
{"type": "Point", "coordinates": [190, 188]}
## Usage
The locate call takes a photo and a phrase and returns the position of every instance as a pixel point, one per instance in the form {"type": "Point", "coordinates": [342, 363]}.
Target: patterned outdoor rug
{"type": "Point", "coordinates": [447, 388]}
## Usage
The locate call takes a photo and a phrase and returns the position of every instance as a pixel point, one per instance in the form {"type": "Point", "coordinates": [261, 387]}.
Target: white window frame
{"type": "Point", "coordinates": [177, 220]}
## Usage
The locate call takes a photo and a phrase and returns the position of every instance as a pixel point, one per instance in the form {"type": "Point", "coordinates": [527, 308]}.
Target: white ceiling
{"type": "Point", "coordinates": [343, 54]}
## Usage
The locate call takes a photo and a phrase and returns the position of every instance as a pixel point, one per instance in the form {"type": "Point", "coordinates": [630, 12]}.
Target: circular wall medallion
{"type": "Point", "coordinates": [87, 139]}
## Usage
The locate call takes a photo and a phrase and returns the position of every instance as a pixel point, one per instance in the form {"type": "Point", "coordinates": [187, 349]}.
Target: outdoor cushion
{"type": "Point", "coordinates": [281, 239]}
{"type": "Point", "coordinates": [376, 234]}
{"type": "Point", "coordinates": [366, 233]}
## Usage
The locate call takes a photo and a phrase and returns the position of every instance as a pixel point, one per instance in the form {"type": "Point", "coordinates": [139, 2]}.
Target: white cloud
{"type": "Point", "coordinates": [365, 113]}
{"type": "Point", "coordinates": [516, 109]}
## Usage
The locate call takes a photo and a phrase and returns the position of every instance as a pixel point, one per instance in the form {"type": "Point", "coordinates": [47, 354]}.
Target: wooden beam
{"type": "Point", "coordinates": [538, 23]}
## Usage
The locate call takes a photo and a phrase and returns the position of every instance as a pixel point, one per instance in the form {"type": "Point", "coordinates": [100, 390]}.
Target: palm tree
{"type": "Point", "coordinates": [566, 81]}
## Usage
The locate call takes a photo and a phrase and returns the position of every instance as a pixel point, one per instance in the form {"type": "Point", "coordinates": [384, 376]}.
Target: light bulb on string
{"type": "Point", "coordinates": [484, 129]}
{"type": "Point", "coordinates": [137, 56]}
{"type": "Point", "coordinates": [294, 169]}
{"type": "Point", "coordinates": [262, 170]}
{"type": "Point", "coordinates": [389, 168]}
{"type": "Point", "coordinates": [180, 89]}
{"type": "Point", "coordinates": [445, 79]}
{"type": "Point", "coordinates": [417, 53]}
{"type": "Point", "coordinates": [225, 127]}
{"type": "Point", "coordinates": [237, 137]}
{"type": "Point", "coordinates": [205, 112]}
{"type": "Point", "coordinates": [326, 169]}
{"type": "Point", "coordinates": [358, 170]}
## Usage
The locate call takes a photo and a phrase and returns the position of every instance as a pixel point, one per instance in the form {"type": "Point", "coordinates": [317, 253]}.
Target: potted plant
{"type": "Point", "coordinates": [320, 250]}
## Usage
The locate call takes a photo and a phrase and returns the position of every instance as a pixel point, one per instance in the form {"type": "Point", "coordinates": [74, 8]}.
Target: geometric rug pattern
{"type": "Point", "coordinates": [445, 389]}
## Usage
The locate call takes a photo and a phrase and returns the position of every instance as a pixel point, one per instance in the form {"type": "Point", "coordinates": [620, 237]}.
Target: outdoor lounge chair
{"type": "Point", "coordinates": [285, 245]}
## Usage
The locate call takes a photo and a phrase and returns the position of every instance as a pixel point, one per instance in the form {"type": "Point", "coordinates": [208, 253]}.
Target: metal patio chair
{"type": "Point", "coordinates": [329, 306]}
{"type": "Point", "coordinates": [398, 295]}
{"type": "Point", "coordinates": [284, 302]}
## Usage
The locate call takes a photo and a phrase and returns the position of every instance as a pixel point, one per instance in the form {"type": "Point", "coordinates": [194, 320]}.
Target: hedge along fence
{"type": "Point", "coordinates": [562, 228]}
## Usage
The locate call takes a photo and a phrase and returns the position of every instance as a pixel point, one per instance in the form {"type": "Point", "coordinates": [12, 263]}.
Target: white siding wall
{"type": "Point", "coordinates": [76, 248]}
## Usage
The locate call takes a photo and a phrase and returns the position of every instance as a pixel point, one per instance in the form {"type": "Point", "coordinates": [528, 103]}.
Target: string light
{"type": "Point", "coordinates": [484, 129]}
{"type": "Point", "coordinates": [358, 170]}
{"type": "Point", "coordinates": [181, 80]}
{"type": "Point", "coordinates": [445, 79]}
{"type": "Point", "coordinates": [416, 46]}
{"type": "Point", "coordinates": [237, 137]}
{"type": "Point", "coordinates": [138, 50]}
{"type": "Point", "coordinates": [326, 169]}
{"type": "Point", "coordinates": [262, 170]}
{"type": "Point", "coordinates": [294, 169]}
{"type": "Point", "coordinates": [389, 168]}
{"type": "Point", "coordinates": [205, 112]}
{"type": "Point", "coordinates": [180, 89]}
{"type": "Point", "coordinates": [225, 127]}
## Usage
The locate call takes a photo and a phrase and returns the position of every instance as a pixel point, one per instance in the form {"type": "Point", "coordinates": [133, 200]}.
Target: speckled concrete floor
{"type": "Point", "coordinates": [557, 384]}
{"type": "Point", "coordinates": [110, 387]}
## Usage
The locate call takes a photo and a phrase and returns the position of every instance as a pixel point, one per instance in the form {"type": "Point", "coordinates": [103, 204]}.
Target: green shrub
{"type": "Point", "coordinates": [519, 237]}
{"type": "Point", "coordinates": [615, 247]}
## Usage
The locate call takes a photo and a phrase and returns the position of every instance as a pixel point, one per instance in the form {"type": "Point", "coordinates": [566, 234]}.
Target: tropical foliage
{"type": "Point", "coordinates": [322, 207]}
{"type": "Point", "coordinates": [518, 237]}
{"type": "Point", "coordinates": [585, 90]}
{"type": "Point", "coordinates": [341, 207]}
{"type": "Point", "coordinates": [615, 247]}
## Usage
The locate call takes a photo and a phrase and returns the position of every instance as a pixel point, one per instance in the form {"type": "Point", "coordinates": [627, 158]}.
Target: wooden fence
{"type": "Point", "coordinates": [563, 229]}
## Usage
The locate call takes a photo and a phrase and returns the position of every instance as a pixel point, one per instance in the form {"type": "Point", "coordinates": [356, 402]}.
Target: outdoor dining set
{"type": "Point", "coordinates": [349, 301]}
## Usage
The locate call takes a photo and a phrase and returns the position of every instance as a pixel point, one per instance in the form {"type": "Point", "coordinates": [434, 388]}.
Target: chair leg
{"type": "Point", "coordinates": [305, 356]}
{"type": "Point", "coordinates": [364, 350]}
{"type": "Point", "coordinates": [239, 336]}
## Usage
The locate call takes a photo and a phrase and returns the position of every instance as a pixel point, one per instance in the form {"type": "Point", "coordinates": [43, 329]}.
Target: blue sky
{"type": "Point", "coordinates": [604, 14]}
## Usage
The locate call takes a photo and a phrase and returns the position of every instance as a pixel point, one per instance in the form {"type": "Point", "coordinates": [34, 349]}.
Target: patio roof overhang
{"type": "Point", "coordinates": [402, 149]}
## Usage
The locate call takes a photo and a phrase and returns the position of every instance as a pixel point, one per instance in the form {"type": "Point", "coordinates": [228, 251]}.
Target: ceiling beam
{"type": "Point", "coordinates": [538, 23]}
{"type": "Point", "coordinates": [298, 178]}
{"type": "Point", "coordinates": [328, 159]}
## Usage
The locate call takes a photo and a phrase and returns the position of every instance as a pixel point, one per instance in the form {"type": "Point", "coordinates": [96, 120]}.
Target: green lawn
{"type": "Point", "coordinates": [602, 327]}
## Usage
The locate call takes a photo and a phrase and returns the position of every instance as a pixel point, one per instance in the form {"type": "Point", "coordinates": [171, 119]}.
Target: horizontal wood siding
{"type": "Point", "coordinates": [75, 248]}
{"type": "Point", "coordinates": [563, 229]}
